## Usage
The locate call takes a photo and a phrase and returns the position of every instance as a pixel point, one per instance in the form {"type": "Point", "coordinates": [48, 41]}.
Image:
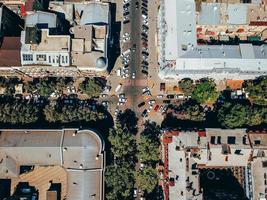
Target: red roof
{"type": "Point", "coordinates": [202, 133]}
{"type": "Point", "coordinates": [10, 52]}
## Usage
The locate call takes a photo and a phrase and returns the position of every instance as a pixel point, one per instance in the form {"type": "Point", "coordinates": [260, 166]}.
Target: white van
{"type": "Point", "coordinates": [119, 72]}
{"type": "Point", "coordinates": [118, 88]}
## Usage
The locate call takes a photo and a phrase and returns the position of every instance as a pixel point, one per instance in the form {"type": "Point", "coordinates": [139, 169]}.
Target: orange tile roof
{"type": "Point", "coordinates": [234, 84]}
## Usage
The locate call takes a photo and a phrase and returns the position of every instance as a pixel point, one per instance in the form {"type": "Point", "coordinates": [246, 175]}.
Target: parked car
{"type": "Point", "coordinates": [141, 104]}
{"type": "Point", "coordinates": [144, 113]}
{"type": "Point", "coordinates": [156, 108]}
{"type": "Point", "coordinates": [170, 96]}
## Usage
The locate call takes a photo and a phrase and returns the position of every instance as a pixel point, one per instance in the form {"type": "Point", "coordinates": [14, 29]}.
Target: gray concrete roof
{"type": "Point", "coordinates": [94, 13]}
{"type": "Point", "coordinates": [210, 14]}
{"type": "Point", "coordinates": [40, 17]}
{"type": "Point", "coordinates": [80, 152]}
{"type": "Point", "coordinates": [237, 13]}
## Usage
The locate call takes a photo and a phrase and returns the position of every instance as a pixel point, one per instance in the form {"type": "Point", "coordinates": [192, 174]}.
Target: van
{"type": "Point", "coordinates": [118, 88]}
{"type": "Point", "coordinates": [119, 72]}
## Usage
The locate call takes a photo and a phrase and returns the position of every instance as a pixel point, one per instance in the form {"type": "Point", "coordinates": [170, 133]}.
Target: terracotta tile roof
{"type": "Point", "coordinates": [235, 84]}
{"type": "Point", "coordinates": [10, 52]}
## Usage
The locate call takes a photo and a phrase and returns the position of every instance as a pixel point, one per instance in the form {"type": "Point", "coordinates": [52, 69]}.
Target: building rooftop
{"type": "Point", "coordinates": [47, 42]}
{"type": "Point", "coordinates": [10, 52]}
{"type": "Point", "coordinates": [42, 19]}
{"type": "Point", "coordinates": [89, 47]}
{"type": "Point", "coordinates": [79, 152]}
{"type": "Point", "coordinates": [187, 152]}
{"type": "Point", "coordinates": [95, 13]}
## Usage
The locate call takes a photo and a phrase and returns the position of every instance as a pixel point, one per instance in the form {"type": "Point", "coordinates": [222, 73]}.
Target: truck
{"type": "Point", "coordinates": [118, 88]}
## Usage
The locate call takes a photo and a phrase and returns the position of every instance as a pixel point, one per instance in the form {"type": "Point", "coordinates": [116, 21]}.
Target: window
{"type": "Point", "coordinates": [62, 59]}
{"type": "Point", "coordinates": [212, 139]}
{"type": "Point", "coordinates": [27, 57]}
{"type": "Point", "coordinates": [257, 142]}
{"type": "Point", "coordinates": [41, 57]}
{"type": "Point", "coordinates": [231, 140]}
{"type": "Point", "coordinates": [49, 59]}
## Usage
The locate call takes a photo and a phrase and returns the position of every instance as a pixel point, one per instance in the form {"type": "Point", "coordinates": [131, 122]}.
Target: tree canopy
{"type": "Point", "coordinates": [119, 181]}
{"type": "Point", "coordinates": [91, 87]}
{"type": "Point", "coordinates": [257, 90]}
{"type": "Point", "coordinates": [71, 113]}
{"type": "Point", "coordinates": [123, 145]}
{"type": "Point", "coordinates": [190, 110]}
{"type": "Point", "coordinates": [187, 86]}
{"type": "Point", "coordinates": [147, 179]}
{"type": "Point", "coordinates": [128, 119]}
{"type": "Point", "coordinates": [205, 91]}
{"type": "Point", "coordinates": [235, 115]}
{"type": "Point", "coordinates": [148, 149]}
{"type": "Point", "coordinates": [18, 113]}
{"type": "Point", "coordinates": [46, 86]}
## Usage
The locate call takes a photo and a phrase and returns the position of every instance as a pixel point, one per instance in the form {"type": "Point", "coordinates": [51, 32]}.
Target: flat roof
{"type": "Point", "coordinates": [180, 32]}
{"type": "Point", "coordinates": [80, 152]}
{"type": "Point", "coordinates": [40, 17]}
{"type": "Point", "coordinates": [49, 43]}
{"type": "Point", "coordinates": [10, 52]}
{"type": "Point", "coordinates": [95, 13]}
{"type": "Point", "coordinates": [210, 14]}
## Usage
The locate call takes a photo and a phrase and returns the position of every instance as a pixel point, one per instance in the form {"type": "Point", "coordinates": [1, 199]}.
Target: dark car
{"type": "Point", "coordinates": [144, 72]}
{"type": "Point", "coordinates": [167, 101]}
{"type": "Point", "coordinates": [170, 96]}
{"type": "Point", "coordinates": [137, 5]}
{"type": "Point", "coordinates": [144, 113]}
{"type": "Point", "coordinates": [141, 104]}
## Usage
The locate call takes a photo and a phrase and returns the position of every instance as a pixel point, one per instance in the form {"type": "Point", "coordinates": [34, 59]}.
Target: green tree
{"type": "Point", "coordinates": [257, 116]}
{"type": "Point", "coordinates": [148, 149]}
{"type": "Point", "coordinates": [120, 181]}
{"type": "Point", "coordinates": [71, 113]}
{"type": "Point", "coordinates": [187, 85]}
{"type": "Point", "coordinates": [18, 113]}
{"type": "Point", "coordinates": [190, 110]}
{"type": "Point", "coordinates": [91, 88]}
{"type": "Point", "coordinates": [123, 145]}
{"type": "Point", "coordinates": [147, 179]}
{"type": "Point", "coordinates": [233, 115]}
{"type": "Point", "coordinates": [257, 90]}
{"type": "Point", "coordinates": [205, 91]}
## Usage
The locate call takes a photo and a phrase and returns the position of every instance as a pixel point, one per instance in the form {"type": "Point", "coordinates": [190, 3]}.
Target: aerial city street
{"type": "Point", "coordinates": [133, 100]}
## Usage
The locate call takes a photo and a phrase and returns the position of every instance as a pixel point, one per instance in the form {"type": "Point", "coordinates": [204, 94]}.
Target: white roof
{"type": "Point", "coordinates": [40, 17]}
{"type": "Point", "coordinates": [210, 14]}
{"type": "Point", "coordinates": [94, 13]}
{"type": "Point", "coordinates": [237, 13]}
{"type": "Point", "coordinates": [181, 29]}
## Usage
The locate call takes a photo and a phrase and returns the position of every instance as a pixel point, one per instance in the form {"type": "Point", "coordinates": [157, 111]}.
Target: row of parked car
{"type": "Point", "coordinates": [144, 38]}
{"type": "Point", "coordinates": [126, 11]}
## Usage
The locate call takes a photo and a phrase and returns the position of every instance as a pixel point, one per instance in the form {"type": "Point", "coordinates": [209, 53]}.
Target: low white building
{"type": "Point", "coordinates": [41, 48]}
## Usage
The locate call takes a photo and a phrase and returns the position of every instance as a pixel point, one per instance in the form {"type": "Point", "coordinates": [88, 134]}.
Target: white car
{"type": "Point", "coordinates": [103, 95]}
{"type": "Point", "coordinates": [151, 102]}
{"type": "Point", "coordinates": [145, 89]}
{"type": "Point", "coordinates": [122, 100]}
{"type": "Point", "coordinates": [121, 95]}
{"type": "Point", "coordinates": [160, 96]}
{"type": "Point", "coordinates": [120, 103]}
{"type": "Point", "coordinates": [133, 75]}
